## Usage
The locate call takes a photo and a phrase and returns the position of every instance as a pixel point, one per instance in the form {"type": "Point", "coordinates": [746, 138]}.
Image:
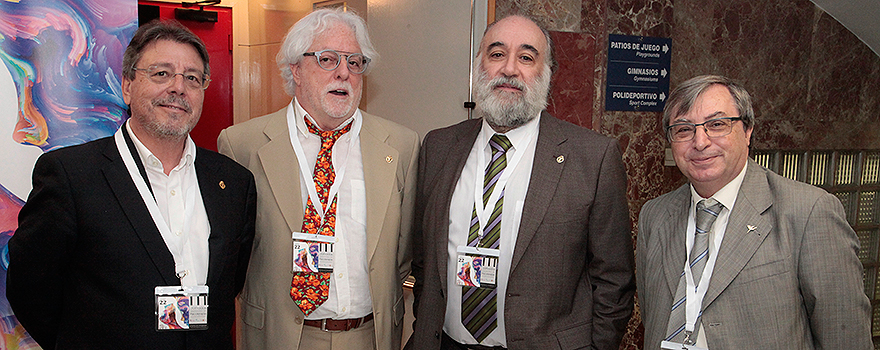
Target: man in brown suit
{"type": "Point", "coordinates": [522, 229]}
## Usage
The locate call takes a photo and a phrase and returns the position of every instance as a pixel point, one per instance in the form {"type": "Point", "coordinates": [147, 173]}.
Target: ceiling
{"type": "Point", "coordinates": [861, 17]}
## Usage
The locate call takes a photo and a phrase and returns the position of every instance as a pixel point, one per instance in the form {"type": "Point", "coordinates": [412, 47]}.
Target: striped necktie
{"type": "Point", "coordinates": [478, 305]}
{"type": "Point", "coordinates": [707, 212]}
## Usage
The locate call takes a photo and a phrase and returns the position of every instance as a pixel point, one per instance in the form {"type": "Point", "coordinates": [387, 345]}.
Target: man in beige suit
{"type": "Point", "coordinates": [291, 298]}
{"type": "Point", "coordinates": [772, 263]}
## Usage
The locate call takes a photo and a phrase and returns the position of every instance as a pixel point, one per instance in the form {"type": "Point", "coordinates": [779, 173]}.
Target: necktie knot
{"type": "Point", "coordinates": [328, 137]}
{"type": "Point", "coordinates": [499, 143]}
{"type": "Point", "coordinates": [707, 212]}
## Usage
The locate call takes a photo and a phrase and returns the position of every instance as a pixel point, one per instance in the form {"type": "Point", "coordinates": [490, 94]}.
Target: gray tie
{"type": "Point", "coordinates": [707, 212]}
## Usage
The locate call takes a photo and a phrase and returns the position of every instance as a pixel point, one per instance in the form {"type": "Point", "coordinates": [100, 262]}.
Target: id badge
{"type": "Point", "coordinates": [668, 345]}
{"type": "Point", "coordinates": [476, 267]}
{"type": "Point", "coordinates": [312, 253]}
{"type": "Point", "coordinates": [181, 308]}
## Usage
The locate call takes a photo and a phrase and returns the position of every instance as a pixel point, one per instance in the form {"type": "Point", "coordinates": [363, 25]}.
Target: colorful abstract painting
{"type": "Point", "coordinates": [59, 86]}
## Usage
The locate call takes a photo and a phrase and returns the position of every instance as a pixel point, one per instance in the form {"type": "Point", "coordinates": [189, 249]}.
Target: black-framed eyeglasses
{"type": "Point", "coordinates": [718, 127]}
{"type": "Point", "coordinates": [161, 75]}
{"type": "Point", "coordinates": [329, 59]}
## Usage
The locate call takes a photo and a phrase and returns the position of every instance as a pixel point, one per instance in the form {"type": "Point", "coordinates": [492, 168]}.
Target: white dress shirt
{"type": "Point", "coordinates": [180, 203]}
{"type": "Point", "coordinates": [726, 196]}
{"type": "Point", "coordinates": [349, 295]}
{"type": "Point", "coordinates": [523, 139]}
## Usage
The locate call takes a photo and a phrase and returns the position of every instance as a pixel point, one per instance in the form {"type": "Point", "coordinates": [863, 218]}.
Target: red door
{"type": "Point", "coordinates": [217, 109]}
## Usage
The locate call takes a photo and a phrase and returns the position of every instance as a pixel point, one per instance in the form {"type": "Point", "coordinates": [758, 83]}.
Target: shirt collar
{"type": "Point", "coordinates": [518, 136]}
{"type": "Point", "coordinates": [299, 112]}
{"type": "Point", "coordinates": [727, 194]}
{"type": "Point", "coordinates": [152, 162]}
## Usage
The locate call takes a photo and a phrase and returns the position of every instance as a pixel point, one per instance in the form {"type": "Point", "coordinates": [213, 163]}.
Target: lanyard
{"type": "Point", "coordinates": [484, 212]}
{"type": "Point", "coordinates": [695, 294]}
{"type": "Point", "coordinates": [306, 173]}
{"type": "Point", "coordinates": [180, 250]}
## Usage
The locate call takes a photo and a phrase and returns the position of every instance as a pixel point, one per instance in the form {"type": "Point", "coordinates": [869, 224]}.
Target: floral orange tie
{"type": "Point", "coordinates": [310, 289]}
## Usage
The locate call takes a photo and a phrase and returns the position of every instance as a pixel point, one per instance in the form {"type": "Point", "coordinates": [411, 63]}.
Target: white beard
{"type": "Point", "coordinates": [510, 109]}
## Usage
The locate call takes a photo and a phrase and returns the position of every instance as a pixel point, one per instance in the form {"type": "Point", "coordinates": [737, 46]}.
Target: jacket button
{"type": "Point", "coordinates": [437, 335]}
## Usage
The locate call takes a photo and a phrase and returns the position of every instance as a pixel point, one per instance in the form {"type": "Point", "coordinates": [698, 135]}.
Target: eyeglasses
{"type": "Point", "coordinates": [717, 127]}
{"type": "Point", "coordinates": [329, 59]}
{"type": "Point", "coordinates": [161, 75]}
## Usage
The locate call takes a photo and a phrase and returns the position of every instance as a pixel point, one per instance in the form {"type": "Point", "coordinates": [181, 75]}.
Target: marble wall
{"type": "Point", "coordinates": [814, 84]}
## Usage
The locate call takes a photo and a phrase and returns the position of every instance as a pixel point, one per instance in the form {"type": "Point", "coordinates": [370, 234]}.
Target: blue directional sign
{"type": "Point", "coordinates": [638, 73]}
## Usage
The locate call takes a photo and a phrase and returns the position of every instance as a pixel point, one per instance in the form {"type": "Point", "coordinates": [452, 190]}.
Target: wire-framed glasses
{"type": "Point", "coordinates": [162, 75]}
{"type": "Point", "coordinates": [718, 127]}
{"type": "Point", "coordinates": [329, 59]}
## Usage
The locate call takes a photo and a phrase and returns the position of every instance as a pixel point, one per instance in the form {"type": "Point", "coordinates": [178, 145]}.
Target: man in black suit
{"type": "Point", "coordinates": [124, 240]}
{"type": "Point", "coordinates": [549, 234]}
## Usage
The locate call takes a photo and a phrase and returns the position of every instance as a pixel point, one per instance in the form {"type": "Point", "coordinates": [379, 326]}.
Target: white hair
{"type": "Point", "coordinates": [303, 34]}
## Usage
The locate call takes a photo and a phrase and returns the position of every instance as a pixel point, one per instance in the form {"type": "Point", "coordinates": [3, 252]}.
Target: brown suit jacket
{"type": "Point", "coordinates": [268, 318]}
{"type": "Point", "coordinates": [571, 280]}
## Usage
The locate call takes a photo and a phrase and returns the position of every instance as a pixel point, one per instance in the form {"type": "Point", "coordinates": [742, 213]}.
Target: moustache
{"type": "Point", "coordinates": [173, 100]}
{"type": "Point", "coordinates": [339, 86]}
{"type": "Point", "coordinates": [513, 82]}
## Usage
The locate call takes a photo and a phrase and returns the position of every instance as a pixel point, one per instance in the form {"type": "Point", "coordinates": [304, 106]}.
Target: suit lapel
{"type": "Point", "coordinates": [209, 185]}
{"type": "Point", "coordinates": [450, 169]}
{"type": "Point", "coordinates": [282, 170]}
{"type": "Point", "coordinates": [545, 175]}
{"type": "Point", "coordinates": [136, 212]}
{"type": "Point", "coordinates": [746, 230]}
{"type": "Point", "coordinates": [672, 236]}
{"type": "Point", "coordinates": [380, 164]}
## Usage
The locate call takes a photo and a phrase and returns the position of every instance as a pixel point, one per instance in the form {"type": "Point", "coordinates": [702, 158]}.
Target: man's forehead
{"type": "Point", "coordinates": [171, 51]}
{"type": "Point", "coordinates": [515, 32]}
{"type": "Point", "coordinates": [522, 46]}
{"type": "Point", "coordinates": [170, 66]}
{"type": "Point", "coordinates": [339, 37]}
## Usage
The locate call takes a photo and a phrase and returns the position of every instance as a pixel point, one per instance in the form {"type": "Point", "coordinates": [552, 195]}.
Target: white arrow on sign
{"type": "Point", "coordinates": [663, 72]}
{"type": "Point", "coordinates": [665, 48]}
{"type": "Point", "coordinates": [662, 96]}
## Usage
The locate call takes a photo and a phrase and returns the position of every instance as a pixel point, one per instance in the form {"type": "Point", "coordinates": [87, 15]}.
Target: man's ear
{"type": "Point", "coordinates": [296, 72]}
{"type": "Point", "coordinates": [126, 91]}
{"type": "Point", "coordinates": [749, 136]}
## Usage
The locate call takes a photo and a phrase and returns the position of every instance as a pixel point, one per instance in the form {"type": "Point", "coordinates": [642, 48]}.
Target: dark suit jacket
{"type": "Point", "coordinates": [571, 280]}
{"type": "Point", "coordinates": [86, 256]}
{"type": "Point", "coordinates": [787, 275]}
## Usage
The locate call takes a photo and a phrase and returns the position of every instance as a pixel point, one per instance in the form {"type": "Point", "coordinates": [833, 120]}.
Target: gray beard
{"type": "Point", "coordinates": [506, 109]}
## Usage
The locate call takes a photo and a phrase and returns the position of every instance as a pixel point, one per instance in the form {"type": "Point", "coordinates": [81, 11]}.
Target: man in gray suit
{"type": "Point", "coordinates": [522, 228]}
{"type": "Point", "coordinates": [773, 263]}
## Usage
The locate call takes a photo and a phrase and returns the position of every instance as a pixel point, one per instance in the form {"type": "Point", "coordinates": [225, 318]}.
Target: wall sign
{"type": "Point", "coordinates": [638, 73]}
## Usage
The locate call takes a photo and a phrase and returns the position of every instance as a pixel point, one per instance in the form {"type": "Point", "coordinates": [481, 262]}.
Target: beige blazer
{"type": "Point", "coordinates": [267, 317]}
{"type": "Point", "coordinates": [787, 274]}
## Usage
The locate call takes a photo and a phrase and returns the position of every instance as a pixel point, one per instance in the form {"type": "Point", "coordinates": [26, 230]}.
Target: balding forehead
{"type": "Point", "coordinates": [527, 47]}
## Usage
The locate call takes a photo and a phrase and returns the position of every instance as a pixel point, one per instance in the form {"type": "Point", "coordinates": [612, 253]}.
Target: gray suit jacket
{"type": "Point", "coordinates": [787, 274]}
{"type": "Point", "coordinates": [268, 318]}
{"type": "Point", "coordinates": [571, 279]}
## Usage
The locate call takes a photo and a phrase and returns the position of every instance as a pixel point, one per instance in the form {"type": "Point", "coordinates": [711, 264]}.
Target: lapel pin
{"type": "Point", "coordinates": [222, 185]}
{"type": "Point", "coordinates": [389, 159]}
{"type": "Point", "coordinates": [751, 227]}
{"type": "Point", "coordinates": [560, 159]}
